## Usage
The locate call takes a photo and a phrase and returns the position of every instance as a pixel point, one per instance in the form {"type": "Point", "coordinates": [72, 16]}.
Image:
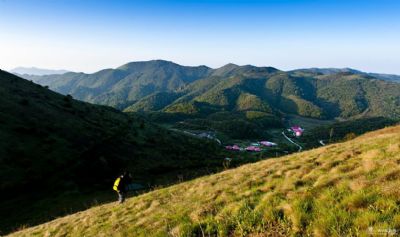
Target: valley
{"type": "Point", "coordinates": [238, 104]}
{"type": "Point", "coordinates": [169, 124]}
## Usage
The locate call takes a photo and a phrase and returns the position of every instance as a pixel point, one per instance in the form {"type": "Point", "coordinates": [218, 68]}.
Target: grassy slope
{"type": "Point", "coordinates": [337, 190]}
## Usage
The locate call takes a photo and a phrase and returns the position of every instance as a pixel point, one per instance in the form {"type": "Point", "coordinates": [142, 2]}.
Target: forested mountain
{"type": "Point", "coordinates": [387, 77]}
{"type": "Point", "coordinates": [329, 71]}
{"type": "Point", "coordinates": [165, 86]}
{"type": "Point", "coordinates": [125, 85]}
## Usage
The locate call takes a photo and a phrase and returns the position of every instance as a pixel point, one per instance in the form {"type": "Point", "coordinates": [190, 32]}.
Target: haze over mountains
{"type": "Point", "coordinates": [36, 71]}
{"type": "Point", "coordinates": [165, 86]}
{"type": "Point", "coordinates": [328, 71]}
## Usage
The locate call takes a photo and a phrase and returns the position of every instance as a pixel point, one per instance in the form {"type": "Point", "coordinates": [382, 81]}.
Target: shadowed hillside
{"type": "Point", "coordinates": [51, 145]}
{"type": "Point", "coordinates": [345, 189]}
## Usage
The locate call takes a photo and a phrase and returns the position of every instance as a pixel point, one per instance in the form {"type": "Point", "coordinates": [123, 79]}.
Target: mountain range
{"type": "Point", "coordinates": [165, 86]}
{"type": "Point", "coordinates": [36, 71]}
{"type": "Point", "coordinates": [57, 152]}
{"type": "Point", "coordinates": [329, 71]}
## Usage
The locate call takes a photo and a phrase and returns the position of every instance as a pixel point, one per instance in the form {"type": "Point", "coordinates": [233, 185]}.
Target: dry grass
{"type": "Point", "coordinates": [338, 190]}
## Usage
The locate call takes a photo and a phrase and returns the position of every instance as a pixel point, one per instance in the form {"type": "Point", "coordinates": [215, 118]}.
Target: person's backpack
{"type": "Point", "coordinates": [116, 184]}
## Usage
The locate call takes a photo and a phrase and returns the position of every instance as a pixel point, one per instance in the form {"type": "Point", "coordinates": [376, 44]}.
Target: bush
{"type": "Point", "coordinates": [349, 136]}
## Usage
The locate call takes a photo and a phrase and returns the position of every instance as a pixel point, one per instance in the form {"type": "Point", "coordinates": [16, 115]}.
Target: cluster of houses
{"type": "Point", "coordinates": [254, 147]}
{"type": "Point", "coordinates": [297, 131]}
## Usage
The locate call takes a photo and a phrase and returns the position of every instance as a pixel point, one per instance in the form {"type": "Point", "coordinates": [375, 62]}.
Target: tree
{"type": "Point", "coordinates": [331, 134]}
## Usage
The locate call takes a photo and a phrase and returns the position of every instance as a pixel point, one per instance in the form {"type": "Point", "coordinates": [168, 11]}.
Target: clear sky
{"type": "Point", "coordinates": [89, 35]}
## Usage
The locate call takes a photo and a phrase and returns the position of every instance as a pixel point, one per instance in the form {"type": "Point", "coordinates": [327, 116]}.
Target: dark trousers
{"type": "Point", "coordinates": [121, 197]}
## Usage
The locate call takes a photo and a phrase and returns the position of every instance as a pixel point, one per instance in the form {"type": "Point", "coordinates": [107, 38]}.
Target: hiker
{"type": "Point", "coordinates": [120, 185]}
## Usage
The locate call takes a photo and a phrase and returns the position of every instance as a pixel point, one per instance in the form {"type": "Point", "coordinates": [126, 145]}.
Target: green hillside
{"type": "Point", "coordinates": [237, 103]}
{"type": "Point", "coordinates": [345, 189]}
{"type": "Point", "coordinates": [165, 86]}
{"type": "Point", "coordinates": [125, 85]}
{"type": "Point", "coordinates": [153, 102]}
{"type": "Point", "coordinates": [280, 95]}
{"type": "Point", "coordinates": [52, 146]}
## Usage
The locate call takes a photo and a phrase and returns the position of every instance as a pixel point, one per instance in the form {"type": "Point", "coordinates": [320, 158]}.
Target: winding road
{"type": "Point", "coordinates": [290, 140]}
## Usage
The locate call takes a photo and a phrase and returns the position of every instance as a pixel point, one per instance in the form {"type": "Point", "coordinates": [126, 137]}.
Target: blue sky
{"type": "Point", "coordinates": [89, 35]}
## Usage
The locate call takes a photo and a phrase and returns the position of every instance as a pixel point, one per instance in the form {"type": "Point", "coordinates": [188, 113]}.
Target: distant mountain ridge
{"type": "Point", "coordinates": [330, 71]}
{"type": "Point", "coordinates": [160, 85]}
{"type": "Point", "coordinates": [36, 71]}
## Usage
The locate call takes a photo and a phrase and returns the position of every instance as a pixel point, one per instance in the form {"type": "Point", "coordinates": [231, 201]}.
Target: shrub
{"type": "Point", "coordinates": [349, 136]}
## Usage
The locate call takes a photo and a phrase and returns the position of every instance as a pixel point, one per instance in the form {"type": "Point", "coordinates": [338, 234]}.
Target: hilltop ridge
{"type": "Point", "coordinates": [36, 71]}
